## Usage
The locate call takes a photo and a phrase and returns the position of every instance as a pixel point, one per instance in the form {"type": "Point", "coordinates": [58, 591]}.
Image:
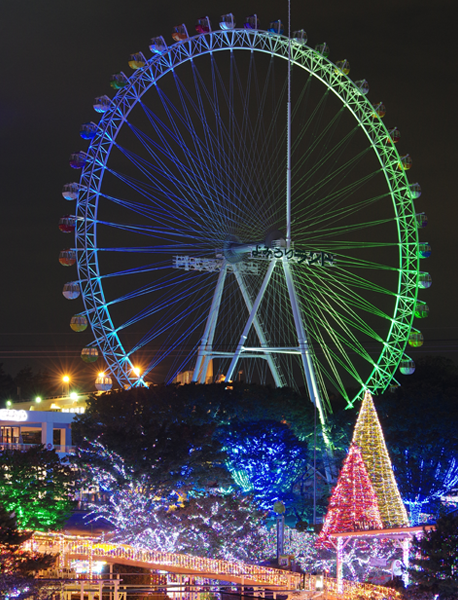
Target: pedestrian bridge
{"type": "Point", "coordinates": [70, 547]}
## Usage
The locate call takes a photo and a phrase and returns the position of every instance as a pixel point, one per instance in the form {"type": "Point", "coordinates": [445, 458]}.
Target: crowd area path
{"type": "Point", "coordinates": [70, 547]}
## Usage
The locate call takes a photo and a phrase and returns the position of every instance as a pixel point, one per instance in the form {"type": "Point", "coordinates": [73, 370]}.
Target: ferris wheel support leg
{"type": "Point", "coordinates": [304, 349]}
{"type": "Point", "coordinates": [258, 327]}
{"type": "Point", "coordinates": [251, 318]}
{"type": "Point", "coordinates": [207, 338]}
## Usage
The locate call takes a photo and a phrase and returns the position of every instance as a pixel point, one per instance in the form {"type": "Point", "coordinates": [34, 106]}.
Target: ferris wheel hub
{"type": "Point", "coordinates": [235, 251]}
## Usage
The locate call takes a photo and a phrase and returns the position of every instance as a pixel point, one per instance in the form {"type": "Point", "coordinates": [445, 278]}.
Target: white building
{"type": "Point", "coordinates": [22, 425]}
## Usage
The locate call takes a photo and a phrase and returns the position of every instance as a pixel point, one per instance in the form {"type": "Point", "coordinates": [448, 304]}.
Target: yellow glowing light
{"type": "Point", "coordinates": [101, 374]}
{"type": "Point", "coordinates": [137, 371]}
{"type": "Point", "coordinates": [66, 379]}
{"type": "Point", "coordinates": [38, 399]}
{"type": "Point", "coordinates": [73, 396]}
{"type": "Point", "coordinates": [368, 436]}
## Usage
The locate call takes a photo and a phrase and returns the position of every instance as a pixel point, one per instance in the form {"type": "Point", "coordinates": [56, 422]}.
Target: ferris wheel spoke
{"type": "Point", "coordinates": [169, 250]}
{"type": "Point", "coordinates": [141, 209]}
{"type": "Point", "coordinates": [302, 130]}
{"type": "Point", "coordinates": [165, 207]}
{"type": "Point", "coordinates": [159, 232]}
{"type": "Point", "coordinates": [330, 232]}
{"type": "Point", "coordinates": [197, 169]}
{"type": "Point", "coordinates": [340, 347]}
{"type": "Point", "coordinates": [206, 147]}
{"type": "Point", "coordinates": [329, 205]}
{"type": "Point", "coordinates": [147, 169]}
{"type": "Point", "coordinates": [350, 263]}
{"type": "Point", "coordinates": [191, 180]}
{"type": "Point", "coordinates": [340, 323]}
{"type": "Point", "coordinates": [245, 167]}
{"type": "Point", "coordinates": [357, 282]}
{"type": "Point", "coordinates": [344, 299]}
{"type": "Point", "coordinates": [335, 363]}
{"type": "Point", "coordinates": [243, 160]}
{"type": "Point", "coordinates": [172, 318]}
{"type": "Point", "coordinates": [200, 148]}
{"type": "Point", "coordinates": [170, 283]}
{"type": "Point", "coordinates": [337, 246]}
{"type": "Point", "coordinates": [174, 298]}
{"type": "Point", "coordinates": [260, 155]}
{"type": "Point", "coordinates": [328, 368]}
{"type": "Point", "coordinates": [151, 268]}
{"type": "Point", "coordinates": [335, 176]}
{"type": "Point", "coordinates": [327, 149]}
{"type": "Point", "coordinates": [341, 292]}
{"type": "Point", "coordinates": [209, 136]}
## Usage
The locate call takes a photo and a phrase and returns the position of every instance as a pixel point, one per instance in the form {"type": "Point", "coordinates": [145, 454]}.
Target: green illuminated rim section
{"type": "Point", "coordinates": [331, 359]}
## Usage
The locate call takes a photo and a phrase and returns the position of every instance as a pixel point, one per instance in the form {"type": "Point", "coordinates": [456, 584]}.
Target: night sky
{"type": "Point", "coordinates": [58, 56]}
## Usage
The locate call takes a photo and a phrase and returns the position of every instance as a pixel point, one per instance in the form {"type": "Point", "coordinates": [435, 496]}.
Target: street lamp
{"type": "Point", "coordinates": [38, 399]}
{"type": "Point", "coordinates": [66, 385]}
{"type": "Point", "coordinates": [279, 509]}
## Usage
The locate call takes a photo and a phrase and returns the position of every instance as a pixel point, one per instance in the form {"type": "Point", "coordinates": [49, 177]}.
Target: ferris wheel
{"type": "Point", "coordinates": [213, 237]}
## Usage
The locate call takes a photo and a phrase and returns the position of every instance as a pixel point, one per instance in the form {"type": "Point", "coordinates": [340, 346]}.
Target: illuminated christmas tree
{"type": "Point", "coordinates": [368, 436]}
{"type": "Point", "coordinates": [353, 505]}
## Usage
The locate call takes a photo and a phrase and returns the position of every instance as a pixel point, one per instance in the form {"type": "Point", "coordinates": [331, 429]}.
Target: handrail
{"type": "Point", "coordinates": [91, 548]}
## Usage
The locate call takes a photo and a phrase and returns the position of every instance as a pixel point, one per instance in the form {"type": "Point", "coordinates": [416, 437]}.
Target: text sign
{"type": "Point", "coordinates": [300, 256]}
{"type": "Point", "coordinates": [10, 414]}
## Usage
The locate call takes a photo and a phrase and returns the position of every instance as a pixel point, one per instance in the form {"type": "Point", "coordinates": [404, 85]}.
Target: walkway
{"type": "Point", "coordinates": [91, 549]}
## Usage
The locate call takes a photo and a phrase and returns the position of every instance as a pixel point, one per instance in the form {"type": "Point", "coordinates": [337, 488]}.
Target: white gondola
{"type": "Point", "coordinates": [424, 280]}
{"type": "Point", "coordinates": [299, 37]}
{"type": "Point", "coordinates": [227, 21]}
{"type": "Point", "coordinates": [407, 367]}
{"type": "Point", "coordinates": [71, 290]}
{"type": "Point", "coordinates": [158, 45]}
{"type": "Point", "coordinates": [103, 383]}
{"type": "Point", "coordinates": [363, 86]}
{"type": "Point", "coordinates": [101, 104]}
{"type": "Point", "coordinates": [70, 191]}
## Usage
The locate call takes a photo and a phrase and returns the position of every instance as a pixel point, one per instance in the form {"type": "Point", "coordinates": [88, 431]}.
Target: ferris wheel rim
{"type": "Point", "coordinates": [358, 104]}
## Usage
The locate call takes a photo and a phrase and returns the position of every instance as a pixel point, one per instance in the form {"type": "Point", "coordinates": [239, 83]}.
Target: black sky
{"type": "Point", "coordinates": [58, 55]}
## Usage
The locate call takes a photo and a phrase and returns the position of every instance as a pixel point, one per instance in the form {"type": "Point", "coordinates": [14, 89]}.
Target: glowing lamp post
{"type": "Point", "coordinates": [279, 509]}
{"type": "Point", "coordinates": [65, 385]}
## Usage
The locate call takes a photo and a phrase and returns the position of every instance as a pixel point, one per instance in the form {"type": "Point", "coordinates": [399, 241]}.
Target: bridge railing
{"type": "Point", "coordinates": [93, 548]}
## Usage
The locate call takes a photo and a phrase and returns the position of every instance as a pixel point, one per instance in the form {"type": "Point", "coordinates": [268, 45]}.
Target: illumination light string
{"type": "Point", "coordinates": [207, 162]}
{"type": "Point", "coordinates": [266, 463]}
{"type": "Point", "coordinates": [143, 517]}
{"type": "Point", "coordinates": [429, 480]}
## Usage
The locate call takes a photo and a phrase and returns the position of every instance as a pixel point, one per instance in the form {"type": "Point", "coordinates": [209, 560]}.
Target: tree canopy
{"type": "Point", "coordinates": [18, 566]}
{"type": "Point", "coordinates": [265, 459]}
{"type": "Point", "coordinates": [37, 486]}
{"type": "Point", "coordinates": [188, 435]}
{"type": "Point", "coordinates": [435, 562]}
